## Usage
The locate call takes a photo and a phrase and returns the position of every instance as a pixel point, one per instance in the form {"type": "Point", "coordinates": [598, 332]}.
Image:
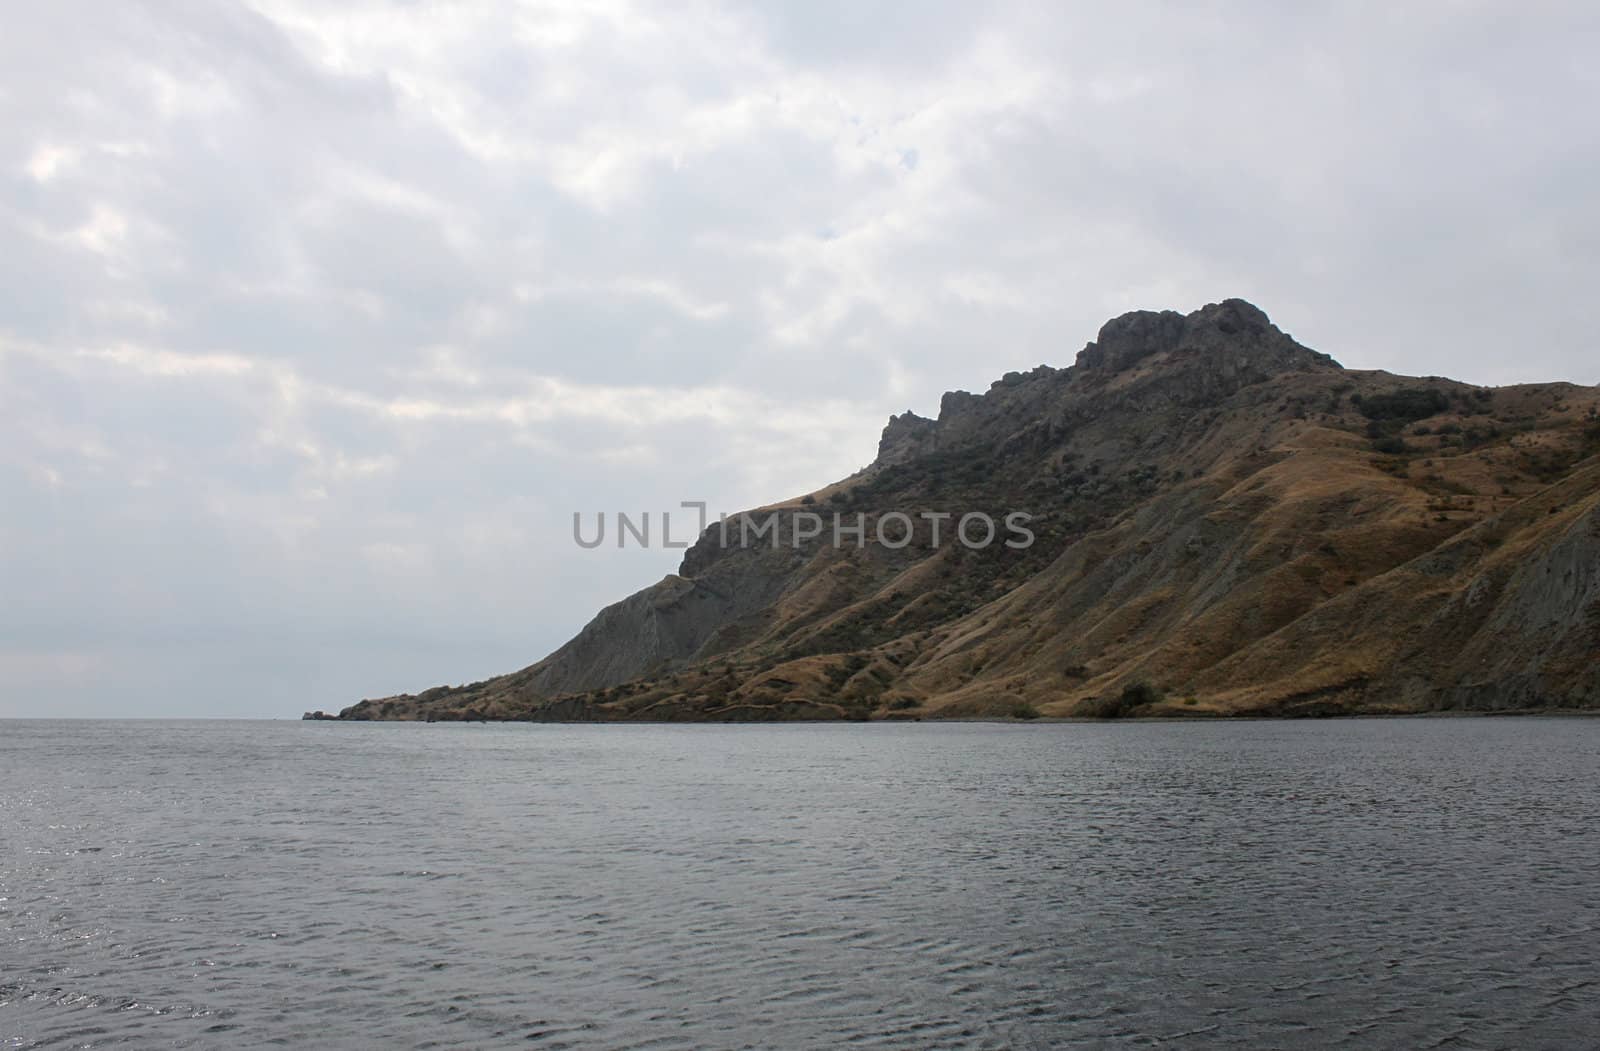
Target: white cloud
{"type": "Point", "coordinates": [156, 361]}
{"type": "Point", "coordinates": [48, 161]}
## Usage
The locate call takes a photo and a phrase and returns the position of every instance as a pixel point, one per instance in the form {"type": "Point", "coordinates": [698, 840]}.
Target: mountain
{"type": "Point", "coordinates": [1223, 522]}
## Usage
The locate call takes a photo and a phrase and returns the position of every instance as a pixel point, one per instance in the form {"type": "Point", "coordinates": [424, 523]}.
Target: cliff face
{"type": "Point", "coordinates": [1224, 522]}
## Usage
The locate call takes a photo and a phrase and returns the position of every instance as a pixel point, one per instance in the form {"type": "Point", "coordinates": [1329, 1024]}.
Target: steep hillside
{"type": "Point", "coordinates": [1223, 522]}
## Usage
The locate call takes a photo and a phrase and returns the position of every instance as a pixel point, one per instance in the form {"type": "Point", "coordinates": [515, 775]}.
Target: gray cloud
{"type": "Point", "coordinates": [317, 324]}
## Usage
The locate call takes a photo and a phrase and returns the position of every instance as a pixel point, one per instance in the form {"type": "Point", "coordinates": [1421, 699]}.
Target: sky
{"type": "Point", "coordinates": [319, 321]}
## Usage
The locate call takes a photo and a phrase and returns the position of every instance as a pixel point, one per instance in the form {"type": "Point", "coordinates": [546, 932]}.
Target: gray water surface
{"type": "Point", "coordinates": [1403, 883]}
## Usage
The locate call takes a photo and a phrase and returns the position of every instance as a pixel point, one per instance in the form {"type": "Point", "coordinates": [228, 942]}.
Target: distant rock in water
{"type": "Point", "coordinates": [1224, 522]}
{"type": "Point", "coordinates": [318, 715]}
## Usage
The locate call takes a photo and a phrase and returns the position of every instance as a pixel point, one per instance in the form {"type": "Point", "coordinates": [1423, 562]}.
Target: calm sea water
{"type": "Point", "coordinates": [1386, 883]}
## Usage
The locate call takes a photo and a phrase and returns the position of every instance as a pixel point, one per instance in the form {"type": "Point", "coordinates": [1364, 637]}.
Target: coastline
{"type": "Point", "coordinates": [1213, 717]}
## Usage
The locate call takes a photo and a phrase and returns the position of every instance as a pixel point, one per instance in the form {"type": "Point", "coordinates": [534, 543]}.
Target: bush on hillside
{"type": "Point", "coordinates": [1407, 404]}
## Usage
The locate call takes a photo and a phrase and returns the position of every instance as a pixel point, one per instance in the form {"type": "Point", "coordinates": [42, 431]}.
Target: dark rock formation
{"type": "Point", "coordinates": [904, 437]}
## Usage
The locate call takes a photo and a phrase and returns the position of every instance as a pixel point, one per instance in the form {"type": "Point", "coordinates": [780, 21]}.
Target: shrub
{"type": "Point", "coordinates": [900, 704]}
{"type": "Point", "coordinates": [1139, 693]}
{"type": "Point", "coordinates": [1023, 710]}
{"type": "Point", "coordinates": [1407, 403]}
{"type": "Point", "coordinates": [1391, 446]}
{"type": "Point", "coordinates": [1134, 695]}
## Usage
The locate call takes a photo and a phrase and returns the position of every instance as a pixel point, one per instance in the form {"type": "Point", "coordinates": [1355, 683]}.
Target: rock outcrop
{"type": "Point", "coordinates": [1223, 522]}
{"type": "Point", "coordinates": [904, 437]}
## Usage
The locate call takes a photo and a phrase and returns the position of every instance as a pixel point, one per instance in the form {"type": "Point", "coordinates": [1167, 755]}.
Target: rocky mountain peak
{"type": "Point", "coordinates": [1197, 358]}
{"type": "Point", "coordinates": [1234, 335]}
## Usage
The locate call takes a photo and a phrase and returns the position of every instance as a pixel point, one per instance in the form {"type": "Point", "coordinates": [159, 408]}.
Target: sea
{"type": "Point", "coordinates": [1357, 883]}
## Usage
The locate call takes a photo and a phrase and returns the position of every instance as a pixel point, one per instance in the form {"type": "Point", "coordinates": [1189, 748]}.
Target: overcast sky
{"type": "Point", "coordinates": [318, 321]}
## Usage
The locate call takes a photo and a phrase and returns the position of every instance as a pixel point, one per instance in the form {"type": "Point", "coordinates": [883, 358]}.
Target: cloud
{"type": "Point", "coordinates": [317, 323]}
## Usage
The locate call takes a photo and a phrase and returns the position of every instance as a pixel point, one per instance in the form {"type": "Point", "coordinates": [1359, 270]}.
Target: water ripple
{"type": "Point", "coordinates": [1398, 883]}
